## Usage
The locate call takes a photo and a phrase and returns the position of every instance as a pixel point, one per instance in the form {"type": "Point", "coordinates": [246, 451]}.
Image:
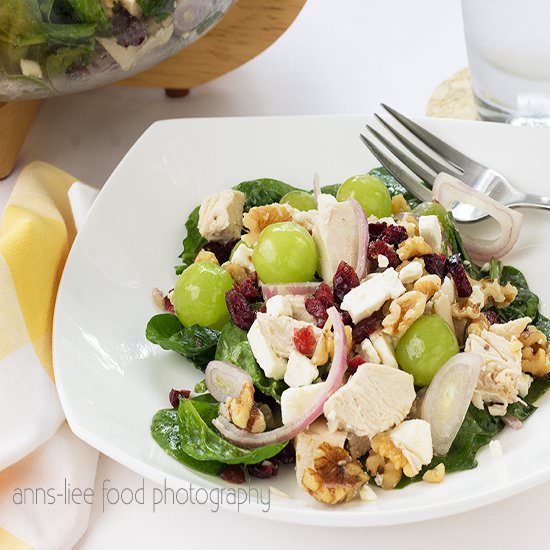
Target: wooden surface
{"type": "Point", "coordinates": [246, 30]}
{"type": "Point", "coordinates": [15, 121]}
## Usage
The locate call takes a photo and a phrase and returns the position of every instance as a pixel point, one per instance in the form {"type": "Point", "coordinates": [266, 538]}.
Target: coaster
{"type": "Point", "coordinates": [454, 98]}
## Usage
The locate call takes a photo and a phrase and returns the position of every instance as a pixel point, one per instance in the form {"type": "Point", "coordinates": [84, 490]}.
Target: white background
{"type": "Point", "coordinates": [340, 56]}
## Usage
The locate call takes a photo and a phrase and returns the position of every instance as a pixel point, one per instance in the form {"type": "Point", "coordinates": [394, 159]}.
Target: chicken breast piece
{"type": "Point", "coordinates": [501, 376]}
{"type": "Point", "coordinates": [221, 216]}
{"type": "Point", "coordinates": [336, 235]}
{"type": "Point", "coordinates": [375, 398]}
{"type": "Point", "coordinates": [307, 443]}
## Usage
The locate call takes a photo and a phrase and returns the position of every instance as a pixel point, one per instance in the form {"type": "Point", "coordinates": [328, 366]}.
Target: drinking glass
{"type": "Point", "coordinates": [508, 45]}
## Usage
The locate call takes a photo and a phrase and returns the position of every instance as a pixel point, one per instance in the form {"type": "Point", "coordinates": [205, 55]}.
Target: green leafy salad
{"type": "Point", "coordinates": [49, 46]}
{"type": "Point", "coordinates": [351, 332]}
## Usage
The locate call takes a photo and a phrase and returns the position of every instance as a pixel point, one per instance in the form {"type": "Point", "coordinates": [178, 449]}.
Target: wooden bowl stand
{"type": "Point", "coordinates": [247, 29]}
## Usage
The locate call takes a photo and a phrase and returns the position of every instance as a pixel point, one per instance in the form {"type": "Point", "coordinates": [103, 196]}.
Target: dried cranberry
{"type": "Point", "coordinates": [491, 317]}
{"type": "Point", "coordinates": [287, 455]}
{"type": "Point", "coordinates": [458, 273]}
{"type": "Point", "coordinates": [343, 281]}
{"type": "Point", "coordinates": [248, 287]}
{"type": "Point", "coordinates": [304, 340]}
{"type": "Point", "coordinates": [127, 29]}
{"type": "Point", "coordinates": [376, 230]}
{"type": "Point", "coordinates": [168, 305]}
{"type": "Point", "coordinates": [232, 473]}
{"type": "Point", "coordinates": [365, 328]}
{"type": "Point", "coordinates": [318, 304]}
{"type": "Point", "coordinates": [377, 248]}
{"type": "Point", "coordinates": [436, 264]}
{"type": "Point", "coordinates": [395, 234]}
{"type": "Point", "coordinates": [175, 396]}
{"type": "Point", "coordinates": [354, 362]}
{"type": "Point", "coordinates": [221, 250]}
{"type": "Point", "coordinates": [241, 312]}
{"type": "Point", "coordinates": [263, 470]}
{"type": "Point", "coordinates": [346, 317]}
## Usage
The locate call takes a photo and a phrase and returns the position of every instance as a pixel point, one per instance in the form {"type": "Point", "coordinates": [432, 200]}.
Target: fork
{"type": "Point", "coordinates": [425, 165]}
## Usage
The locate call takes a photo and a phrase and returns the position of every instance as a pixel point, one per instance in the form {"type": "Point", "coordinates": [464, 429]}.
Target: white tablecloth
{"type": "Point", "coordinates": [338, 57]}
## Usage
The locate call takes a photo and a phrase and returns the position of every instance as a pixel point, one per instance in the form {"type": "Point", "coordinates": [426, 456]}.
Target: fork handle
{"type": "Point", "coordinates": [533, 201]}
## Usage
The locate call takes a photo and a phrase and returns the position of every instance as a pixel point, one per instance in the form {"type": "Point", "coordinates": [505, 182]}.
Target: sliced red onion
{"type": "Point", "coordinates": [225, 380]}
{"type": "Point", "coordinates": [302, 289]}
{"type": "Point", "coordinates": [449, 190]}
{"type": "Point", "coordinates": [448, 397]}
{"type": "Point", "coordinates": [512, 422]}
{"type": "Point", "coordinates": [249, 440]}
{"type": "Point", "coordinates": [363, 239]}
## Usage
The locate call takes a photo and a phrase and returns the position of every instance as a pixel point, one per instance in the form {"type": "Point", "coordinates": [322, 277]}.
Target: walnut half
{"type": "Point", "coordinates": [403, 312]}
{"type": "Point", "coordinates": [244, 413]}
{"type": "Point", "coordinates": [335, 476]}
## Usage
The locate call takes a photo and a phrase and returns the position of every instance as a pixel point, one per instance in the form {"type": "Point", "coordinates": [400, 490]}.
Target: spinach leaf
{"type": "Point", "coordinates": [158, 9]}
{"type": "Point", "coordinates": [196, 343]}
{"type": "Point", "coordinates": [263, 191]}
{"type": "Point", "coordinates": [233, 346]}
{"type": "Point", "coordinates": [77, 11]}
{"type": "Point", "coordinates": [330, 189]}
{"type": "Point", "coordinates": [478, 428]}
{"type": "Point", "coordinates": [77, 34]}
{"type": "Point", "coordinates": [193, 241]}
{"type": "Point", "coordinates": [538, 388]}
{"type": "Point", "coordinates": [543, 324]}
{"type": "Point", "coordinates": [166, 432]}
{"type": "Point", "coordinates": [526, 303]}
{"type": "Point", "coordinates": [393, 186]}
{"type": "Point", "coordinates": [202, 442]}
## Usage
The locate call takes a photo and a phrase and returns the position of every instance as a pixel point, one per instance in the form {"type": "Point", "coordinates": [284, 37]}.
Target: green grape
{"type": "Point", "coordinates": [285, 253]}
{"type": "Point", "coordinates": [301, 200]}
{"type": "Point", "coordinates": [425, 347]}
{"type": "Point", "coordinates": [199, 296]}
{"type": "Point", "coordinates": [369, 192]}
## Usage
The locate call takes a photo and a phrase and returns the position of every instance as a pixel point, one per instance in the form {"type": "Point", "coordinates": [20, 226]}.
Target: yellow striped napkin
{"type": "Point", "coordinates": [37, 449]}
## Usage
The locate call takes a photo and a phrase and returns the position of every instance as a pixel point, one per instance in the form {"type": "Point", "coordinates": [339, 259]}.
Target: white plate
{"type": "Point", "coordinates": [111, 380]}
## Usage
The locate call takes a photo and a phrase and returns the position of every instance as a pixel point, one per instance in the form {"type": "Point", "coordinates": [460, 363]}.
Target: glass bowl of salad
{"type": "Point", "coordinates": [52, 47]}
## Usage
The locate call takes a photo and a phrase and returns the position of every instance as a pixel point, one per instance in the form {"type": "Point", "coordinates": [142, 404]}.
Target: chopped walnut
{"type": "Point", "coordinates": [325, 344]}
{"type": "Point", "coordinates": [413, 247]}
{"type": "Point", "coordinates": [399, 204]}
{"type": "Point", "coordinates": [477, 326]}
{"type": "Point", "coordinates": [244, 413]}
{"type": "Point", "coordinates": [206, 256]}
{"type": "Point", "coordinates": [469, 308]}
{"type": "Point", "coordinates": [428, 285]}
{"type": "Point", "coordinates": [535, 354]}
{"type": "Point", "coordinates": [435, 475]}
{"type": "Point", "coordinates": [335, 476]}
{"type": "Point", "coordinates": [410, 223]}
{"type": "Point", "coordinates": [403, 312]}
{"type": "Point", "coordinates": [385, 462]}
{"type": "Point", "coordinates": [496, 294]}
{"type": "Point", "coordinates": [259, 217]}
{"type": "Point", "coordinates": [237, 271]}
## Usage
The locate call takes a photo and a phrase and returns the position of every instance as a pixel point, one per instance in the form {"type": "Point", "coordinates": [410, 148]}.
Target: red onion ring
{"type": "Point", "coordinates": [302, 289]}
{"type": "Point", "coordinates": [224, 380]}
{"type": "Point", "coordinates": [249, 440]}
{"type": "Point", "coordinates": [512, 422]}
{"type": "Point", "coordinates": [363, 238]}
{"type": "Point", "coordinates": [449, 190]}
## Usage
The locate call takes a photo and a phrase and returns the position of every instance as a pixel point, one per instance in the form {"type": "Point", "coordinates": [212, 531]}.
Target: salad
{"type": "Point", "coordinates": [351, 332]}
{"type": "Point", "coordinates": [54, 46]}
